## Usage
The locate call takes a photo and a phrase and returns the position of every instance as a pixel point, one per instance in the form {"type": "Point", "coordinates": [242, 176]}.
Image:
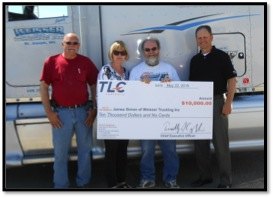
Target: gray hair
{"type": "Point", "coordinates": [149, 39]}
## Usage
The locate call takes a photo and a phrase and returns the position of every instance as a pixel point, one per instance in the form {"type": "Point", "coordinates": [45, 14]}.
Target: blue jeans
{"type": "Point", "coordinates": [171, 160]}
{"type": "Point", "coordinates": [73, 120]}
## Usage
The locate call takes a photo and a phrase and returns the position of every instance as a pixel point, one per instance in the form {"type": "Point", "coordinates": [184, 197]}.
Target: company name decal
{"type": "Point", "coordinates": [39, 30]}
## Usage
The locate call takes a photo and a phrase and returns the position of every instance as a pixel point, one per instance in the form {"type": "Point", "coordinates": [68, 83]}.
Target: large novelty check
{"type": "Point", "coordinates": [136, 110]}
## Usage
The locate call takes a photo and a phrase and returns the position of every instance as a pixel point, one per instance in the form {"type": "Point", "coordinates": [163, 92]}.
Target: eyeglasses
{"type": "Point", "coordinates": [122, 53]}
{"type": "Point", "coordinates": [152, 49]}
{"type": "Point", "coordinates": [71, 43]}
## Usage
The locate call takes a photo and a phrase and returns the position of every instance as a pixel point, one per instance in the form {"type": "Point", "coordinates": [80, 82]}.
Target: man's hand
{"type": "Point", "coordinates": [231, 87]}
{"type": "Point", "coordinates": [91, 117]}
{"type": "Point", "coordinates": [146, 79]}
{"type": "Point", "coordinates": [166, 79]}
{"type": "Point", "coordinates": [227, 108]}
{"type": "Point", "coordinates": [54, 119]}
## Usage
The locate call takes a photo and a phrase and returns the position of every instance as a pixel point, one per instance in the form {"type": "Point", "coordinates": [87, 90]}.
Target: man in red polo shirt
{"type": "Point", "coordinates": [69, 75]}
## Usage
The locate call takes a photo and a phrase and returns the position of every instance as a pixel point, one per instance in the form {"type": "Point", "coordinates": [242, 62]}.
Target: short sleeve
{"type": "Point", "coordinates": [46, 72]}
{"type": "Point", "coordinates": [92, 74]}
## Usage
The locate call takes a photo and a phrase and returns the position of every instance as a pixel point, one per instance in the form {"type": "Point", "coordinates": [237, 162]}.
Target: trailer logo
{"type": "Point", "coordinates": [39, 35]}
{"type": "Point", "coordinates": [39, 30]}
{"type": "Point", "coordinates": [111, 87]}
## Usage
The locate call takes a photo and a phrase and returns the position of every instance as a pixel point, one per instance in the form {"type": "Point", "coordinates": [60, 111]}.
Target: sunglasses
{"type": "Point", "coordinates": [152, 49]}
{"type": "Point", "coordinates": [122, 53]}
{"type": "Point", "coordinates": [71, 43]}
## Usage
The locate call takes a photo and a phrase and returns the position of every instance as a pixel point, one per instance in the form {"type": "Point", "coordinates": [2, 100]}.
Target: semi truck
{"type": "Point", "coordinates": [34, 32]}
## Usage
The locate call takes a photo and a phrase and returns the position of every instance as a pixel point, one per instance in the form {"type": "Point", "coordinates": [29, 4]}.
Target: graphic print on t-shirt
{"type": "Point", "coordinates": [155, 76]}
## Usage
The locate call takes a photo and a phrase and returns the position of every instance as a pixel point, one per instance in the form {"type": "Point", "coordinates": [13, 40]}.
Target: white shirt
{"type": "Point", "coordinates": [155, 73]}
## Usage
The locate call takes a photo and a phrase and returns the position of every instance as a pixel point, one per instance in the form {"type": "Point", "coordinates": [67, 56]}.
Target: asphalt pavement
{"type": "Point", "coordinates": [247, 169]}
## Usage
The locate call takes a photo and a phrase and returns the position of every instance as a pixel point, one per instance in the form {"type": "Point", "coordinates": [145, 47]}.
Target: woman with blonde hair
{"type": "Point", "coordinates": [116, 150]}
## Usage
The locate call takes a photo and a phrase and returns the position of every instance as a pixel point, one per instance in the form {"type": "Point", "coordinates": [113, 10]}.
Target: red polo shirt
{"type": "Point", "coordinates": [69, 78]}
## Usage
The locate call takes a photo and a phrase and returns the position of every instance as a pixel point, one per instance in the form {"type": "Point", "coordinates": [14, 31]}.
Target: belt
{"type": "Point", "coordinates": [71, 107]}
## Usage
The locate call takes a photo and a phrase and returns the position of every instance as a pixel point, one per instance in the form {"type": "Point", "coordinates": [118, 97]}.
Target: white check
{"type": "Point", "coordinates": [136, 110]}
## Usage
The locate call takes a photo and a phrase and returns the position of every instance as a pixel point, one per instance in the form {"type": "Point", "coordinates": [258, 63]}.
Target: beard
{"type": "Point", "coordinates": [152, 61]}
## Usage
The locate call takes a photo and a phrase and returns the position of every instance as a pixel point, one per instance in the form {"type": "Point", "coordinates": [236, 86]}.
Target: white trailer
{"type": "Point", "coordinates": [34, 32]}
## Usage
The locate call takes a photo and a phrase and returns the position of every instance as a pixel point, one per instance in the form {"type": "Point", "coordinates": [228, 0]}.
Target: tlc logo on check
{"type": "Point", "coordinates": [112, 87]}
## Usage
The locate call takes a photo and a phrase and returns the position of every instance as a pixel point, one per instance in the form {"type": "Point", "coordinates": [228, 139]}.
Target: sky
{"type": "Point", "coordinates": [43, 11]}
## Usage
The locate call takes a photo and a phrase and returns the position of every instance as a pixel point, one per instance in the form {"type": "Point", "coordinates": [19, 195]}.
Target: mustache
{"type": "Point", "coordinates": [152, 61]}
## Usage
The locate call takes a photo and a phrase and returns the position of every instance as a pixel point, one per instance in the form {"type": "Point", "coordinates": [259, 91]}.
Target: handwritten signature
{"type": "Point", "coordinates": [185, 127]}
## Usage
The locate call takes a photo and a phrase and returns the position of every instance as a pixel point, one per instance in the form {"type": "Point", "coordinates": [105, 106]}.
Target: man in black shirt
{"type": "Point", "coordinates": [212, 64]}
